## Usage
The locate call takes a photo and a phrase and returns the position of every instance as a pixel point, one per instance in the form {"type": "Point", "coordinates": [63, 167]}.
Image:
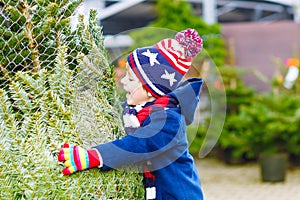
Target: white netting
{"type": "Point", "coordinates": [56, 86]}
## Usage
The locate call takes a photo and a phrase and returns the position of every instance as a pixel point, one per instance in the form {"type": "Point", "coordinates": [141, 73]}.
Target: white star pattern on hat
{"type": "Point", "coordinates": [151, 56]}
{"type": "Point", "coordinates": [170, 77]}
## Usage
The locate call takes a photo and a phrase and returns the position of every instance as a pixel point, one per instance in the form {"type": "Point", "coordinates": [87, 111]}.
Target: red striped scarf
{"type": "Point", "coordinates": [133, 118]}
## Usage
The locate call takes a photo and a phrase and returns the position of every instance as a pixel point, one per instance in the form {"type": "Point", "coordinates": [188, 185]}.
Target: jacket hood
{"type": "Point", "coordinates": [187, 94]}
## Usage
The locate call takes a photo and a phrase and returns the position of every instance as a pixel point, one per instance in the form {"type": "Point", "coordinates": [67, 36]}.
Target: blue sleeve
{"type": "Point", "coordinates": [163, 132]}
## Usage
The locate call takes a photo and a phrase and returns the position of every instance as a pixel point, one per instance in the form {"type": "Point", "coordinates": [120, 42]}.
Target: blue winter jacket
{"type": "Point", "coordinates": [161, 142]}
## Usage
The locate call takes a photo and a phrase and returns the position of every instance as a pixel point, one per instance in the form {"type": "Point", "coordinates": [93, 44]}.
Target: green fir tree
{"type": "Point", "coordinates": [31, 32]}
{"type": "Point", "coordinates": [43, 108]}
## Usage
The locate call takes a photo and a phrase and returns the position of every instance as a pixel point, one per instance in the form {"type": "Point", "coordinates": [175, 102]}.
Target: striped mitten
{"type": "Point", "coordinates": [76, 158]}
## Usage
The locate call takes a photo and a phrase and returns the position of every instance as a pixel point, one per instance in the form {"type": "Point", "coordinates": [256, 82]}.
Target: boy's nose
{"type": "Point", "coordinates": [123, 81]}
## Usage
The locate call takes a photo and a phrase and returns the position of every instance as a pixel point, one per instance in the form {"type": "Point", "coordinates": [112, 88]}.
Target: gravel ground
{"type": "Point", "coordinates": [242, 182]}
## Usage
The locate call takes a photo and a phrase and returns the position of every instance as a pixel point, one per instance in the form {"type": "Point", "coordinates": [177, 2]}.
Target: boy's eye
{"type": "Point", "coordinates": [130, 78]}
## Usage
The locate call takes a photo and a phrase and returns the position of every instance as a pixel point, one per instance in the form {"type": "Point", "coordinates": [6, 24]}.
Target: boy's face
{"type": "Point", "coordinates": [136, 94]}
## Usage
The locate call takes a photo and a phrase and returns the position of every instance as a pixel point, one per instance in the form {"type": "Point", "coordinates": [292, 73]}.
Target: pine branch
{"type": "Point", "coordinates": [21, 97]}
{"type": "Point", "coordinates": [42, 109]}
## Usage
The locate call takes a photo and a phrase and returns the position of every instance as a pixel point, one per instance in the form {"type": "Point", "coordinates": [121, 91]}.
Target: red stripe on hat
{"type": "Point", "coordinates": [174, 56]}
{"type": "Point", "coordinates": [179, 59]}
{"type": "Point", "coordinates": [173, 52]}
{"type": "Point", "coordinates": [132, 64]}
{"type": "Point", "coordinates": [169, 43]}
{"type": "Point", "coordinates": [137, 73]}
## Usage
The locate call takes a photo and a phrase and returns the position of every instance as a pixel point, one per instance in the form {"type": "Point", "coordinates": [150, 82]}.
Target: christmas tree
{"type": "Point", "coordinates": [47, 100]}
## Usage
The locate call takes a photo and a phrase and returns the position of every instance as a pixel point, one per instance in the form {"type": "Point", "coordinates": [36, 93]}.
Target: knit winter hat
{"type": "Point", "coordinates": [161, 67]}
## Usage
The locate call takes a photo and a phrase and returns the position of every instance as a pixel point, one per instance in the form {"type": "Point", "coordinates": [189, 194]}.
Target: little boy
{"type": "Point", "coordinates": [158, 108]}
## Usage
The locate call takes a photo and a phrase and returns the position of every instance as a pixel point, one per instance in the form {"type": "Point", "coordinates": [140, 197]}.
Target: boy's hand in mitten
{"type": "Point", "coordinates": [76, 158]}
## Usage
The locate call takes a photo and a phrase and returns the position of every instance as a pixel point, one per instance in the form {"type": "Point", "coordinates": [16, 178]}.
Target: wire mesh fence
{"type": "Point", "coordinates": [56, 86]}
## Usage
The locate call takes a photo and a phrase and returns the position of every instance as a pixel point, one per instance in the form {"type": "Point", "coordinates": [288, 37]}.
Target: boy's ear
{"type": "Point", "coordinates": [149, 94]}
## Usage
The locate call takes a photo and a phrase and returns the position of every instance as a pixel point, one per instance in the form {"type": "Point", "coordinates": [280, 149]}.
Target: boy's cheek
{"type": "Point", "coordinates": [134, 86]}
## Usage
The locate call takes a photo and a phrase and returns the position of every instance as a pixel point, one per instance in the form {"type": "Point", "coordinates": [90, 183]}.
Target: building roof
{"type": "Point", "coordinates": [118, 16]}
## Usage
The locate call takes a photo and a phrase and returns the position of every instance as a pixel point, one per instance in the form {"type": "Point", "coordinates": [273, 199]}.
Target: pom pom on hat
{"type": "Point", "coordinates": [161, 67]}
{"type": "Point", "coordinates": [190, 41]}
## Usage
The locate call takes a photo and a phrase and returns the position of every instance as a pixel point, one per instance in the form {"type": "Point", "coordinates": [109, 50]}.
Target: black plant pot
{"type": "Point", "coordinates": [273, 167]}
{"type": "Point", "coordinates": [295, 160]}
{"type": "Point", "coordinates": [230, 159]}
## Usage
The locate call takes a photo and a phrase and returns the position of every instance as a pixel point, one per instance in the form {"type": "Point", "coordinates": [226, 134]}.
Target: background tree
{"type": "Point", "coordinates": [178, 15]}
